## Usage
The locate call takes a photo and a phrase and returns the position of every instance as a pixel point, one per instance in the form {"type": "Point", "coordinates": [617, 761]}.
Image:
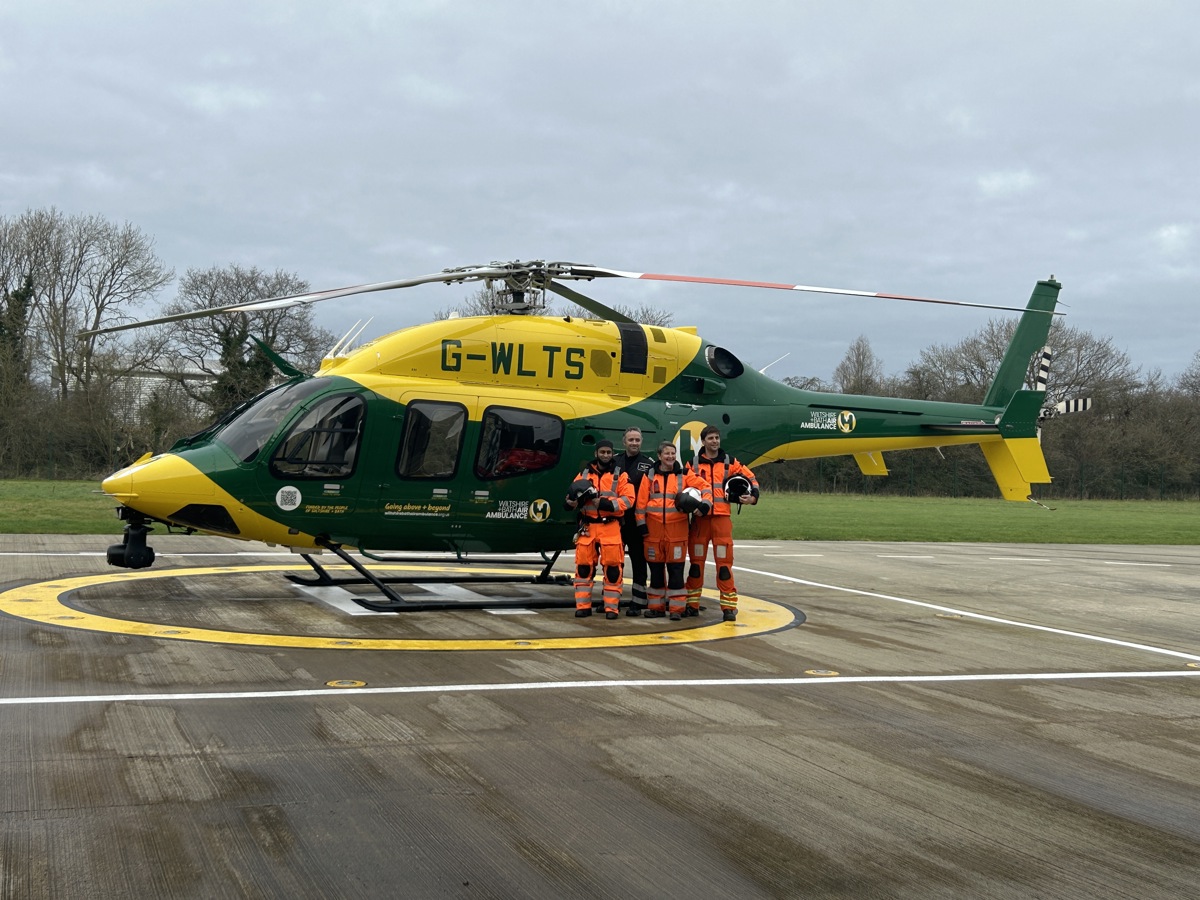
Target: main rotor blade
{"type": "Point", "coordinates": [518, 276]}
{"type": "Point", "coordinates": [597, 272]}
{"type": "Point", "coordinates": [584, 302]}
{"type": "Point", "coordinates": [448, 276]}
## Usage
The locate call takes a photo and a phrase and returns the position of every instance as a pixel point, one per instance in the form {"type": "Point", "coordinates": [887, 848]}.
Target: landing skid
{"type": "Point", "coordinates": [397, 603]}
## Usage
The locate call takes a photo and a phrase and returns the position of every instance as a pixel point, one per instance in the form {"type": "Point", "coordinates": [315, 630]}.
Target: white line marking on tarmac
{"type": "Point", "coordinates": [579, 685]}
{"type": "Point", "coordinates": [972, 615]}
{"type": "Point", "coordinates": [339, 598]}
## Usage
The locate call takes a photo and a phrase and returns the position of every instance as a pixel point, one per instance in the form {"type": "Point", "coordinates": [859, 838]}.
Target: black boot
{"type": "Point", "coordinates": [728, 615]}
{"type": "Point", "coordinates": [634, 608]}
{"type": "Point", "coordinates": [583, 613]}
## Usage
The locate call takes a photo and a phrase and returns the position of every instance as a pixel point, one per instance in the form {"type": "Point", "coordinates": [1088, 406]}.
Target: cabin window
{"type": "Point", "coordinates": [432, 439]}
{"type": "Point", "coordinates": [517, 442]}
{"type": "Point", "coordinates": [324, 443]}
{"type": "Point", "coordinates": [249, 430]}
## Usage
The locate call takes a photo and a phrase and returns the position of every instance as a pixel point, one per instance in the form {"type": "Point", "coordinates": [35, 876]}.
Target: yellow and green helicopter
{"type": "Point", "coordinates": [462, 435]}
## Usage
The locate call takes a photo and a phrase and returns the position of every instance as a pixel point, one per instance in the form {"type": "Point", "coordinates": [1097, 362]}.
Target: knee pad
{"type": "Point", "coordinates": [694, 571]}
{"type": "Point", "coordinates": [723, 573]}
{"type": "Point", "coordinates": [612, 574]}
{"type": "Point", "coordinates": [584, 571]}
{"type": "Point", "coordinates": [675, 575]}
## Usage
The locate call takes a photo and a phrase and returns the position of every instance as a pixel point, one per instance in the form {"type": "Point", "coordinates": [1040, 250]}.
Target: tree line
{"type": "Point", "coordinates": [80, 408]}
{"type": "Point", "coordinates": [74, 407]}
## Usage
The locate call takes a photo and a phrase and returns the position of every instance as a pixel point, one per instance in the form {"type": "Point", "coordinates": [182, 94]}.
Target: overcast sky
{"type": "Point", "coordinates": [947, 149]}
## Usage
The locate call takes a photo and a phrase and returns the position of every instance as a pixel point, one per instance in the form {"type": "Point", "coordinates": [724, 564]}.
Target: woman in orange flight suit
{"type": "Point", "coordinates": [664, 526]}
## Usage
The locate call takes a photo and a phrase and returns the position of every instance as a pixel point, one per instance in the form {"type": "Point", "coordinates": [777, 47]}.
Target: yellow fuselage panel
{"type": "Point", "coordinates": [478, 397]}
{"type": "Point", "coordinates": [576, 356]}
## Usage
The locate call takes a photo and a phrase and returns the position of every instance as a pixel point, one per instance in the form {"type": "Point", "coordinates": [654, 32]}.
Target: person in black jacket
{"type": "Point", "coordinates": [635, 464]}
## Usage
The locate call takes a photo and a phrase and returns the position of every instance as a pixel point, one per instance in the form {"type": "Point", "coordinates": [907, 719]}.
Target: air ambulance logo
{"type": "Point", "coordinates": [846, 421]}
{"type": "Point", "coordinates": [539, 510]}
{"type": "Point", "coordinates": [687, 439]}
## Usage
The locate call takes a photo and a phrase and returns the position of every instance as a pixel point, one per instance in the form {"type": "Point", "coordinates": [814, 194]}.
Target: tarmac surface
{"type": "Point", "coordinates": [884, 720]}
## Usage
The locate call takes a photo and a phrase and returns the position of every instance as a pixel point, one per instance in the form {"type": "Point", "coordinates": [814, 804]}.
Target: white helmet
{"type": "Point", "coordinates": [689, 500]}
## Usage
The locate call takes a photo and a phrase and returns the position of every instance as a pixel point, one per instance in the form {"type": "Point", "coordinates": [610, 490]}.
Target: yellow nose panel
{"type": "Point", "coordinates": [164, 484]}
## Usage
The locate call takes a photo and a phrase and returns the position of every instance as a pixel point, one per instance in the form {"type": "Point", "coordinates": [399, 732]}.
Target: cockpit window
{"type": "Point", "coordinates": [433, 436]}
{"type": "Point", "coordinates": [247, 433]}
{"type": "Point", "coordinates": [516, 442]}
{"type": "Point", "coordinates": [324, 443]}
{"type": "Point", "coordinates": [722, 362]}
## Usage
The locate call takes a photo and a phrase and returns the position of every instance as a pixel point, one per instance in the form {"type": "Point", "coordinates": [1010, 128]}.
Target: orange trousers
{"type": "Point", "coordinates": [601, 547]}
{"type": "Point", "coordinates": [665, 560]}
{"type": "Point", "coordinates": [718, 531]}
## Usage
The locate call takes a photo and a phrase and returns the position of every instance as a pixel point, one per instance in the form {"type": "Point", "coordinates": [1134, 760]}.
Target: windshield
{"type": "Point", "coordinates": [247, 433]}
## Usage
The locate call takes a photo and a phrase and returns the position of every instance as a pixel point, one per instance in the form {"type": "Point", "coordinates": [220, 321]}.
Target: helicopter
{"type": "Point", "coordinates": [461, 435]}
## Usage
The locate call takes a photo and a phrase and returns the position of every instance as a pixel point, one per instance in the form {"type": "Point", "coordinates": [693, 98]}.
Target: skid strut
{"type": "Point", "coordinates": [396, 603]}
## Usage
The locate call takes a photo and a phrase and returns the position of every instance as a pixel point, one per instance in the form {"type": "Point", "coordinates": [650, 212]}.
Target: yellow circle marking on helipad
{"type": "Point", "coordinates": [43, 603]}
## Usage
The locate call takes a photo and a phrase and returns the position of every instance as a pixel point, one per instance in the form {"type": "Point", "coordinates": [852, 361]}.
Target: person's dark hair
{"type": "Point", "coordinates": [709, 429]}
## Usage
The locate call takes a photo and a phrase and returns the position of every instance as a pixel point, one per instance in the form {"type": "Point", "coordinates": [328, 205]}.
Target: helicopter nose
{"type": "Point", "coordinates": [154, 485]}
{"type": "Point", "coordinates": [175, 490]}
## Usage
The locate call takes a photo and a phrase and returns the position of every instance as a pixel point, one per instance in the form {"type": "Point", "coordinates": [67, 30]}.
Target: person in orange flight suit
{"type": "Point", "coordinates": [662, 519]}
{"type": "Point", "coordinates": [724, 473]}
{"type": "Point", "coordinates": [602, 494]}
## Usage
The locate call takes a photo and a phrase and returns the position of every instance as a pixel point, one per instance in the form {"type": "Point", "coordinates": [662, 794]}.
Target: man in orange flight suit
{"type": "Point", "coordinates": [602, 494]}
{"type": "Point", "coordinates": [720, 470]}
{"type": "Point", "coordinates": [662, 518]}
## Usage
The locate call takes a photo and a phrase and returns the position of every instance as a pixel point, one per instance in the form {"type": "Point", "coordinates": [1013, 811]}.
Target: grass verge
{"type": "Point", "coordinates": [77, 507]}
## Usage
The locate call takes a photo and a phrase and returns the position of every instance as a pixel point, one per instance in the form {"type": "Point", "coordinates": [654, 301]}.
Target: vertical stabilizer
{"type": "Point", "coordinates": [1028, 339]}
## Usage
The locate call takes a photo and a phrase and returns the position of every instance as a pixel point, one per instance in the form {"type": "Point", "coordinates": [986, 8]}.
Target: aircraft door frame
{"type": "Point", "coordinates": [314, 467]}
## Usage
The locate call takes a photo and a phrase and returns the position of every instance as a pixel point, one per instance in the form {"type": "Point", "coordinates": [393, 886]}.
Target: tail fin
{"type": "Point", "coordinates": [1029, 337]}
{"type": "Point", "coordinates": [1017, 460]}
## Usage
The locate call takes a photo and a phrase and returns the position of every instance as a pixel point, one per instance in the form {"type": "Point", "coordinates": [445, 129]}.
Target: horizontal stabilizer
{"type": "Point", "coordinates": [871, 463]}
{"type": "Point", "coordinates": [1020, 419]}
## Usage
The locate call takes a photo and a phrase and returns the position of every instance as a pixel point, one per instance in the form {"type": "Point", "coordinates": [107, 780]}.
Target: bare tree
{"type": "Point", "coordinates": [1189, 381]}
{"type": "Point", "coordinates": [220, 345]}
{"type": "Point", "coordinates": [860, 371]}
{"type": "Point", "coordinates": [86, 272]}
{"type": "Point", "coordinates": [1082, 365]}
{"type": "Point", "coordinates": [806, 383]}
